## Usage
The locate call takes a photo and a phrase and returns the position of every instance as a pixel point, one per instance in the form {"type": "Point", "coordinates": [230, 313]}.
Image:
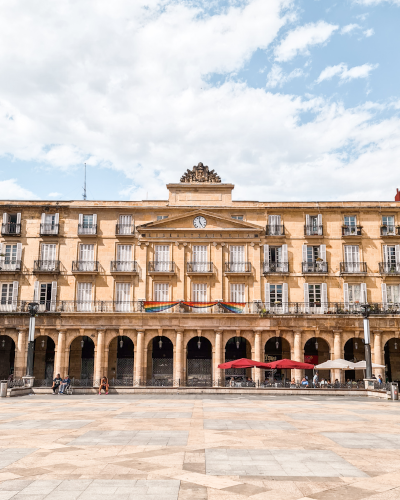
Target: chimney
{"type": "Point", "coordinates": [397, 197]}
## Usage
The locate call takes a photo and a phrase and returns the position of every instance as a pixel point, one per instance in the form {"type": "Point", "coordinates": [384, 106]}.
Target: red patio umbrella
{"type": "Point", "coordinates": [241, 363]}
{"type": "Point", "coordinates": [288, 364]}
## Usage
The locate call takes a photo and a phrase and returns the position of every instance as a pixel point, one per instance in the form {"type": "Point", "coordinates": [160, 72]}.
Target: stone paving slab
{"type": "Point", "coordinates": [83, 409]}
{"type": "Point", "coordinates": [153, 415]}
{"type": "Point", "coordinates": [9, 456]}
{"type": "Point", "coordinates": [245, 462]}
{"type": "Point", "coordinates": [167, 405]}
{"type": "Point", "coordinates": [132, 438]}
{"type": "Point", "coordinates": [45, 424]}
{"type": "Point", "coordinates": [374, 441]}
{"type": "Point", "coordinates": [325, 417]}
{"type": "Point", "coordinates": [232, 409]}
{"type": "Point", "coordinates": [229, 425]}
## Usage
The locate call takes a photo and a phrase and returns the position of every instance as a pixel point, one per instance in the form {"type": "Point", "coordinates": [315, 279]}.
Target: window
{"type": "Point", "coordinates": [314, 294]}
{"type": "Point", "coordinates": [10, 252]}
{"type": "Point", "coordinates": [352, 259]}
{"type": "Point", "coordinates": [274, 225]}
{"type": "Point", "coordinates": [276, 259]}
{"type": "Point", "coordinates": [313, 225]}
{"type": "Point", "coordinates": [125, 224]}
{"type": "Point", "coordinates": [49, 223]}
{"type": "Point", "coordinates": [350, 226]}
{"type": "Point", "coordinates": [161, 292]}
{"type": "Point", "coordinates": [388, 224]}
{"type": "Point", "coordinates": [392, 294]}
{"type": "Point", "coordinates": [161, 258]}
{"type": "Point", "coordinates": [312, 253]}
{"type": "Point", "coordinates": [389, 254]}
{"type": "Point", "coordinates": [9, 296]}
{"type": "Point", "coordinates": [161, 217]}
{"type": "Point", "coordinates": [48, 257]}
{"type": "Point", "coordinates": [199, 293]}
{"type": "Point", "coordinates": [238, 217]}
{"type": "Point", "coordinates": [275, 255]}
{"type": "Point", "coordinates": [237, 292]}
{"type": "Point", "coordinates": [87, 224]}
{"type": "Point", "coordinates": [86, 258]}
{"type": "Point", "coordinates": [124, 258]}
{"type": "Point", "coordinates": [11, 223]}
{"type": "Point", "coordinates": [123, 297]}
{"type": "Point", "coordinates": [237, 259]}
{"type": "Point", "coordinates": [275, 294]}
{"type": "Point", "coordinates": [354, 293]}
{"type": "Point", "coordinates": [199, 258]}
{"type": "Point", "coordinates": [84, 297]}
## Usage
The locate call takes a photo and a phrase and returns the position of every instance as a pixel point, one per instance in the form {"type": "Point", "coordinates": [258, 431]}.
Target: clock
{"type": "Point", "coordinates": [199, 222]}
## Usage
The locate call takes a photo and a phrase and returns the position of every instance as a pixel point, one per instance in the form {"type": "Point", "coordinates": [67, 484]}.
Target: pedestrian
{"type": "Point", "coordinates": [380, 381]}
{"type": "Point", "coordinates": [315, 380]}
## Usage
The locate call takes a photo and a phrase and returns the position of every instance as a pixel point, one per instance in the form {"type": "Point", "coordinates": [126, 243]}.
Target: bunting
{"type": "Point", "coordinates": [235, 307]}
{"type": "Point", "coordinates": [158, 306]}
{"type": "Point", "coordinates": [200, 305]}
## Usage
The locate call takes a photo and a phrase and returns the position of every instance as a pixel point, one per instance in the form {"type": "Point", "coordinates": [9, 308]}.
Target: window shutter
{"type": "Point", "coordinates": [304, 253]}
{"type": "Point", "coordinates": [384, 296]}
{"type": "Point", "coordinates": [36, 291]}
{"type": "Point", "coordinates": [18, 218]}
{"type": "Point", "coordinates": [285, 297]}
{"type": "Point", "coordinates": [397, 254]}
{"type": "Point", "coordinates": [385, 254]}
{"type": "Point", "coordinates": [1, 248]}
{"type": "Point", "coordinates": [19, 251]}
{"type": "Point", "coordinates": [284, 254]}
{"type": "Point", "coordinates": [364, 293]}
{"type": "Point", "coordinates": [57, 219]}
{"type": "Point", "coordinates": [80, 219]}
{"type": "Point", "coordinates": [53, 298]}
{"type": "Point", "coordinates": [322, 252]}
{"type": "Point", "coordinates": [267, 296]}
{"type": "Point", "coordinates": [5, 218]}
{"type": "Point", "coordinates": [266, 258]}
{"type": "Point", "coordinates": [94, 219]}
{"type": "Point", "coordinates": [308, 229]}
{"type": "Point", "coordinates": [324, 297]}
{"type": "Point", "coordinates": [43, 219]}
{"type": "Point", "coordinates": [319, 221]}
{"type": "Point", "coordinates": [306, 298]}
{"type": "Point", "coordinates": [346, 299]}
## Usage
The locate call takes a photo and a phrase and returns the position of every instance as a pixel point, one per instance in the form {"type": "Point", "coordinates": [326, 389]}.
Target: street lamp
{"type": "Point", "coordinates": [33, 308]}
{"type": "Point", "coordinates": [366, 309]}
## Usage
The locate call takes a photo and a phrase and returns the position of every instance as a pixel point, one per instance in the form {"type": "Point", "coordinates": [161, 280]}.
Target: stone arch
{"type": "Point", "coordinates": [111, 335]}
{"type": "Point", "coordinates": [43, 359]}
{"type": "Point", "coordinates": [199, 361]}
{"type": "Point", "coordinates": [354, 350]}
{"type": "Point", "coordinates": [160, 359]}
{"type": "Point", "coordinates": [81, 358]}
{"type": "Point", "coordinates": [77, 335]}
{"type": "Point", "coordinates": [317, 351]}
{"type": "Point", "coordinates": [276, 348]}
{"type": "Point", "coordinates": [392, 359]}
{"type": "Point", "coordinates": [7, 356]}
{"type": "Point", "coordinates": [121, 353]}
{"type": "Point", "coordinates": [237, 347]}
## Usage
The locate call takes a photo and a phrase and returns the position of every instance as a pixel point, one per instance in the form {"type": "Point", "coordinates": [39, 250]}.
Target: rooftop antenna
{"type": "Point", "coordinates": [84, 185]}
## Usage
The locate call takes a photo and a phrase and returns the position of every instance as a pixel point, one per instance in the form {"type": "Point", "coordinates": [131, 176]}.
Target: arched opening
{"type": "Point", "coordinates": [237, 348]}
{"type": "Point", "coordinates": [392, 360]}
{"type": "Point", "coordinates": [120, 361]}
{"type": "Point", "coordinates": [160, 361]}
{"type": "Point", "coordinates": [199, 362]}
{"type": "Point", "coordinates": [277, 348]}
{"type": "Point", "coordinates": [81, 359]}
{"type": "Point", "coordinates": [316, 351]}
{"type": "Point", "coordinates": [43, 360]}
{"type": "Point", "coordinates": [354, 350]}
{"type": "Point", "coordinates": [7, 356]}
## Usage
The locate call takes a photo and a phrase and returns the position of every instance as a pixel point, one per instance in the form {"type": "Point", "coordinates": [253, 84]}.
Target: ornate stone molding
{"type": "Point", "coordinates": [200, 173]}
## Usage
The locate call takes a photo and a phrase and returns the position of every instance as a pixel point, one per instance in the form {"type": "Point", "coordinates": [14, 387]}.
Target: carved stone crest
{"type": "Point", "coordinates": [200, 173]}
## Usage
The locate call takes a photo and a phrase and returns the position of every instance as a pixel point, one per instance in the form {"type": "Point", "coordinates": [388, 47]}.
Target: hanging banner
{"type": "Point", "coordinates": [235, 307]}
{"type": "Point", "coordinates": [200, 305]}
{"type": "Point", "coordinates": [158, 306]}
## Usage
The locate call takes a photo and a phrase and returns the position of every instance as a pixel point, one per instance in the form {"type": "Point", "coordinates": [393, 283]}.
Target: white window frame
{"type": "Point", "coordinates": [123, 301]}
{"type": "Point", "coordinates": [237, 292]}
{"type": "Point", "coordinates": [84, 296]}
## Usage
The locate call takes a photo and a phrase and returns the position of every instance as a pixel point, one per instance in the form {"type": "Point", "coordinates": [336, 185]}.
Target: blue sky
{"type": "Point", "coordinates": [288, 100]}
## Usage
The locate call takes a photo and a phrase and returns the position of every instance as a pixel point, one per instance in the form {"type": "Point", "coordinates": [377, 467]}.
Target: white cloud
{"type": "Point", "coordinates": [346, 74]}
{"type": "Point", "coordinates": [349, 28]}
{"type": "Point", "coordinates": [276, 77]}
{"type": "Point", "coordinates": [369, 32]}
{"type": "Point", "coordinates": [376, 2]}
{"type": "Point", "coordinates": [10, 190]}
{"type": "Point", "coordinates": [300, 39]}
{"type": "Point", "coordinates": [54, 195]}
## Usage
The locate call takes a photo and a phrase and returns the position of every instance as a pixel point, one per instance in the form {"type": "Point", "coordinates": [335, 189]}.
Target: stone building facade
{"type": "Point", "coordinates": [163, 291]}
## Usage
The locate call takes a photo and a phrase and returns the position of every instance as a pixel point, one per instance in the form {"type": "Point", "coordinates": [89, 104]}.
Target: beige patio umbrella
{"type": "Point", "coordinates": [336, 364]}
{"type": "Point", "coordinates": [362, 365]}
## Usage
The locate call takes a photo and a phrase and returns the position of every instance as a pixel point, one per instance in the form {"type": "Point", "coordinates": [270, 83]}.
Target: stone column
{"type": "Point", "coordinates": [178, 359]}
{"type": "Point", "coordinates": [337, 354]}
{"type": "Point", "coordinates": [99, 357]}
{"type": "Point", "coordinates": [217, 372]}
{"type": "Point", "coordinates": [139, 358]}
{"type": "Point", "coordinates": [60, 354]}
{"type": "Point", "coordinates": [257, 357]}
{"type": "Point", "coordinates": [298, 351]}
{"type": "Point", "coordinates": [21, 354]}
{"type": "Point", "coordinates": [378, 354]}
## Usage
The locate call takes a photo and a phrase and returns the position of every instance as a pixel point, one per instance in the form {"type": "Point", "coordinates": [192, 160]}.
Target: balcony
{"type": "Point", "coordinates": [315, 267]}
{"type": "Point", "coordinates": [124, 229]}
{"type": "Point", "coordinates": [11, 229]}
{"type": "Point", "coordinates": [351, 230]}
{"type": "Point", "coordinates": [353, 267]}
{"type": "Point", "coordinates": [275, 230]}
{"type": "Point", "coordinates": [49, 229]}
{"type": "Point", "coordinates": [46, 266]}
{"type": "Point", "coordinates": [124, 267]}
{"type": "Point", "coordinates": [237, 267]}
{"type": "Point", "coordinates": [313, 230]}
{"type": "Point", "coordinates": [87, 229]}
{"type": "Point", "coordinates": [200, 268]}
{"type": "Point", "coordinates": [275, 267]}
{"type": "Point", "coordinates": [85, 266]}
{"type": "Point", "coordinates": [161, 267]}
{"type": "Point", "coordinates": [389, 268]}
{"type": "Point", "coordinates": [10, 265]}
{"type": "Point", "coordinates": [388, 230]}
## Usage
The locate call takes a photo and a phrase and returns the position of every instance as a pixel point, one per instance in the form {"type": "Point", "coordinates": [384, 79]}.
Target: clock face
{"type": "Point", "coordinates": [199, 222]}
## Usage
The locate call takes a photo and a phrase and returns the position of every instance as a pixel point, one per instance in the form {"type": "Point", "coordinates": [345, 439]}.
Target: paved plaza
{"type": "Point", "coordinates": [197, 447]}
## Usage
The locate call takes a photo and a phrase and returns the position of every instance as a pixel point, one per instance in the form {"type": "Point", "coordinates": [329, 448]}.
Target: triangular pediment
{"type": "Point", "coordinates": [214, 222]}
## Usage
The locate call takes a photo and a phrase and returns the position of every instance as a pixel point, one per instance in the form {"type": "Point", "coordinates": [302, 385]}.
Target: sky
{"type": "Point", "coordinates": [287, 99]}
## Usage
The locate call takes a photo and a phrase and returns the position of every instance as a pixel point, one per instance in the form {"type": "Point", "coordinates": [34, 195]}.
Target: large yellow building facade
{"type": "Point", "coordinates": [161, 292]}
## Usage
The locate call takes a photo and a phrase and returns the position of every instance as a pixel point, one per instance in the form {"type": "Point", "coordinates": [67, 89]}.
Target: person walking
{"type": "Point", "coordinates": [315, 380]}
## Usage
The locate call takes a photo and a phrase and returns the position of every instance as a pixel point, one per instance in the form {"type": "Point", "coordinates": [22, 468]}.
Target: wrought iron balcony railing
{"type": "Point", "coordinates": [124, 266]}
{"type": "Point", "coordinates": [351, 230]}
{"type": "Point", "coordinates": [275, 267]}
{"type": "Point", "coordinates": [87, 229]}
{"type": "Point", "coordinates": [11, 229]}
{"type": "Point", "coordinates": [10, 265]}
{"type": "Point", "coordinates": [353, 267]}
{"type": "Point", "coordinates": [85, 266]}
{"type": "Point", "coordinates": [49, 229]}
{"type": "Point", "coordinates": [124, 229]}
{"type": "Point", "coordinates": [390, 230]}
{"type": "Point", "coordinates": [46, 266]}
{"type": "Point", "coordinates": [238, 267]}
{"type": "Point", "coordinates": [275, 230]}
{"type": "Point", "coordinates": [161, 267]}
{"type": "Point", "coordinates": [200, 267]}
{"type": "Point", "coordinates": [315, 267]}
{"type": "Point", "coordinates": [313, 230]}
{"type": "Point", "coordinates": [389, 267]}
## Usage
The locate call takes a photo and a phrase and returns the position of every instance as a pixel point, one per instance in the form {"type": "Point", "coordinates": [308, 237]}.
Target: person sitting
{"type": "Point", "coordinates": [104, 385]}
{"type": "Point", "coordinates": [64, 384]}
{"type": "Point", "coordinates": [56, 383]}
{"type": "Point", "coordinates": [380, 381]}
{"type": "Point", "coordinates": [304, 382]}
{"type": "Point", "coordinates": [293, 383]}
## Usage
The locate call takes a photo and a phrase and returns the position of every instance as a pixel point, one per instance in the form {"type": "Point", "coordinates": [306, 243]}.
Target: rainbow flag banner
{"type": "Point", "coordinates": [201, 305]}
{"type": "Point", "coordinates": [154, 307]}
{"type": "Point", "coordinates": [235, 307]}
